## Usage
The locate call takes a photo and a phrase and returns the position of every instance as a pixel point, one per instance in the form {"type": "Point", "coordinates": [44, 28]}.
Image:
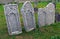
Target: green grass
{"type": "Point", "coordinates": [47, 32]}
{"type": "Point", "coordinates": [58, 7]}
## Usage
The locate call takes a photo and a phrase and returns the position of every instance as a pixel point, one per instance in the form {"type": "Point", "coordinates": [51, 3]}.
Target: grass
{"type": "Point", "coordinates": [58, 7]}
{"type": "Point", "coordinates": [47, 32]}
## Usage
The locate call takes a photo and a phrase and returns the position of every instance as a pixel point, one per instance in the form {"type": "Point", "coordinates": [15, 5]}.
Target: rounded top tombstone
{"type": "Point", "coordinates": [27, 7]}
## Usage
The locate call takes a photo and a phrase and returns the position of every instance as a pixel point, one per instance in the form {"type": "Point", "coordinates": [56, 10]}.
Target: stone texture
{"type": "Point", "coordinates": [12, 19]}
{"type": "Point", "coordinates": [41, 17]}
{"type": "Point", "coordinates": [5, 1]}
{"type": "Point", "coordinates": [46, 15]}
{"type": "Point", "coordinates": [50, 13]}
{"type": "Point", "coordinates": [28, 16]}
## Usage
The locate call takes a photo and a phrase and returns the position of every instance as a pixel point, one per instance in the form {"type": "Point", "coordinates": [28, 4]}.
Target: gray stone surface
{"type": "Point", "coordinates": [12, 19]}
{"type": "Point", "coordinates": [28, 16]}
{"type": "Point", "coordinates": [50, 13]}
{"type": "Point", "coordinates": [46, 15]}
{"type": "Point", "coordinates": [5, 1]}
{"type": "Point", "coordinates": [41, 17]}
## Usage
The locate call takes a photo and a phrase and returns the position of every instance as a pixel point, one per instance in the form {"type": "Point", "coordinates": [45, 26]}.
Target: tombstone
{"type": "Point", "coordinates": [5, 1]}
{"type": "Point", "coordinates": [28, 16]}
{"type": "Point", "coordinates": [41, 17]}
{"type": "Point", "coordinates": [50, 13]}
{"type": "Point", "coordinates": [12, 19]}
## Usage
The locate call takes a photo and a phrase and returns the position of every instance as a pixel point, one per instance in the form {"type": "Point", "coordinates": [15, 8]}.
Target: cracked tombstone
{"type": "Point", "coordinates": [50, 13]}
{"type": "Point", "coordinates": [41, 17]}
{"type": "Point", "coordinates": [28, 16]}
{"type": "Point", "coordinates": [12, 19]}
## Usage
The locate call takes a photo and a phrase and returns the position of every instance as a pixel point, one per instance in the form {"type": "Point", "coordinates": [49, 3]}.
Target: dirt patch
{"type": "Point", "coordinates": [19, 37]}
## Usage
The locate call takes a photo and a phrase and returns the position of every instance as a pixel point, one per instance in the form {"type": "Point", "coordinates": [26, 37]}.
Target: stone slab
{"type": "Point", "coordinates": [41, 17]}
{"type": "Point", "coordinates": [12, 19]}
{"type": "Point", "coordinates": [50, 13]}
{"type": "Point", "coordinates": [28, 16]}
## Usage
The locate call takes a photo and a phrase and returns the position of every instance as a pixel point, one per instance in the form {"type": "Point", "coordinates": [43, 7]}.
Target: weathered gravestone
{"type": "Point", "coordinates": [41, 17]}
{"type": "Point", "coordinates": [46, 15]}
{"type": "Point", "coordinates": [28, 16]}
{"type": "Point", "coordinates": [12, 18]}
{"type": "Point", "coordinates": [5, 1]}
{"type": "Point", "coordinates": [50, 13]}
